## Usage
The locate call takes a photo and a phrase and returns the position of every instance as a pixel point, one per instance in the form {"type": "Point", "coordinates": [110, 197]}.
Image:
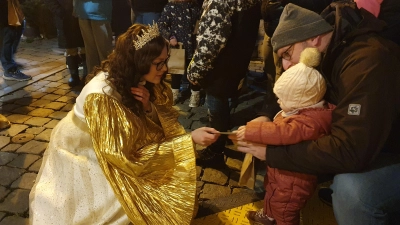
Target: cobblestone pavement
{"type": "Point", "coordinates": [35, 107]}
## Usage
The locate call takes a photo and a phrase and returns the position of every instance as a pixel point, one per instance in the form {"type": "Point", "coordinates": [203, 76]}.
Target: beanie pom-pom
{"type": "Point", "coordinates": [311, 57]}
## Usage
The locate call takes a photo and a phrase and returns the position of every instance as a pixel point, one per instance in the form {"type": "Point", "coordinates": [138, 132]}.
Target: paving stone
{"type": "Point", "coordinates": [234, 177]}
{"type": "Point", "coordinates": [16, 202]}
{"type": "Point", "coordinates": [41, 83]}
{"type": "Point", "coordinates": [22, 138]}
{"type": "Point", "coordinates": [14, 220]}
{"type": "Point", "coordinates": [51, 124]}
{"type": "Point", "coordinates": [54, 77]}
{"type": "Point", "coordinates": [18, 118]}
{"type": "Point", "coordinates": [33, 147]}
{"type": "Point", "coordinates": [185, 114]}
{"type": "Point", "coordinates": [9, 174]}
{"type": "Point", "coordinates": [58, 115]}
{"type": "Point", "coordinates": [198, 172]}
{"type": "Point", "coordinates": [37, 121]}
{"type": "Point", "coordinates": [3, 192]}
{"type": "Point", "coordinates": [68, 107]}
{"type": "Point", "coordinates": [23, 110]}
{"type": "Point", "coordinates": [25, 101]}
{"type": "Point", "coordinates": [64, 86]}
{"type": "Point", "coordinates": [55, 105]}
{"type": "Point", "coordinates": [72, 94]}
{"type": "Point", "coordinates": [24, 161]}
{"type": "Point", "coordinates": [10, 148]}
{"type": "Point", "coordinates": [238, 190]}
{"type": "Point", "coordinates": [186, 123]}
{"type": "Point", "coordinates": [35, 130]}
{"type": "Point", "coordinates": [2, 215]}
{"type": "Point", "coordinates": [9, 98]}
{"type": "Point", "coordinates": [6, 157]}
{"type": "Point", "coordinates": [211, 191]}
{"type": "Point", "coordinates": [196, 124]}
{"type": "Point", "coordinates": [36, 166]}
{"type": "Point", "coordinates": [199, 186]}
{"type": "Point", "coordinates": [234, 164]}
{"type": "Point", "coordinates": [48, 89]}
{"type": "Point", "coordinates": [215, 176]}
{"type": "Point", "coordinates": [40, 103]}
{"type": "Point", "coordinates": [61, 92]}
{"type": "Point", "coordinates": [31, 88]}
{"type": "Point", "coordinates": [54, 84]}
{"type": "Point", "coordinates": [40, 112]}
{"type": "Point", "coordinates": [44, 136]}
{"type": "Point", "coordinates": [51, 97]}
{"type": "Point", "coordinates": [4, 141]}
{"type": "Point", "coordinates": [67, 99]}
{"type": "Point", "coordinates": [26, 181]}
{"type": "Point", "coordinates": [35, 94]}
{"type": "Point", "coordinates": [8, 107]}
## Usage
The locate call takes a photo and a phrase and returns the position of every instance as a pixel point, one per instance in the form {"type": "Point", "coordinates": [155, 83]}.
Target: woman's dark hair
{"type": "Point", "coordinates": [126, 65]}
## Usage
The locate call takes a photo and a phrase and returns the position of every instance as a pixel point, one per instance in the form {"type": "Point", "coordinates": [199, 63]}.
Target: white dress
{"type": "Point", "coordinates": [71, 187]}
{"type": "Point", "coordinates": [113, 167]}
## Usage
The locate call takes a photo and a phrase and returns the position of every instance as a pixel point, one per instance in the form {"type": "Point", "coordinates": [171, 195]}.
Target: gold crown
{"type": "Point", "coordinates": [150, 34]}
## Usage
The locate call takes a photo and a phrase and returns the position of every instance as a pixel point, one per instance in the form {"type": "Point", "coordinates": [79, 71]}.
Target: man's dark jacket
{"type": "Point", "coordinates": [362, 73]}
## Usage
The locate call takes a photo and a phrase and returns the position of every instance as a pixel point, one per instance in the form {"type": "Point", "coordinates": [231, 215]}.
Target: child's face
{"type": "Point", "coordinates": [283, 107]}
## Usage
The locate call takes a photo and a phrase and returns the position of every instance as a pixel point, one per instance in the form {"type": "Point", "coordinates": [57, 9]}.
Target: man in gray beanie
{"type": "Point", "coordinates": [361, 70]}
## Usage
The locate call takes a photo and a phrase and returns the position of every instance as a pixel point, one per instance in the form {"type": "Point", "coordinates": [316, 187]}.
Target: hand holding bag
{"type": "Point", "coordinates": [176, 63]}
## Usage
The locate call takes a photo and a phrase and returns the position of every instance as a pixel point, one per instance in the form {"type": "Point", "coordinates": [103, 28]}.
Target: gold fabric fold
{"type": "Point", "coordinates": [151, 167]}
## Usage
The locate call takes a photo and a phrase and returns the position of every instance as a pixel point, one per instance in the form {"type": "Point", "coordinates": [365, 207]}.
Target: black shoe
{"type": "Point", "coordinates": [325, 195]}
{"type": "Point", "coordinates": [15, 74]}
{"type": "Point", "coordinates": [209, 158]}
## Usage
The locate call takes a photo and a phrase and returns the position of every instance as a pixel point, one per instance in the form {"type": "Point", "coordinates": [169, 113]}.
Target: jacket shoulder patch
{"type": "Point", "coordinates": [354, 109]}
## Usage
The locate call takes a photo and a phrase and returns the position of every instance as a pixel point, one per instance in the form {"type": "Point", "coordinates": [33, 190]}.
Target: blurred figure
{"type": "Point", "coordinates": [147, 11]}
{"type": "Point", "coordinates": [75, 48]}
{"type": "Point", "coordinates": [177, 24]}
{"type": "Point", "coordinates": [12, 23]}
{"type": "Point", "coordinates": [121, 16]}
{"type": "Point", "coordinates": [95, 26]}
{"type": "Point", "coordinates": [227, 34]}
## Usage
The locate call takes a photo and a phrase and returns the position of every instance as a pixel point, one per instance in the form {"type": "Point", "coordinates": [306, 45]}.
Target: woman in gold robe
{"type": "Point", "coordinates": [120, 156]}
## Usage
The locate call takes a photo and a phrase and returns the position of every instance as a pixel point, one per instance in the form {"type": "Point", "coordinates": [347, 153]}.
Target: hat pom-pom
{"type": "Point", "coordinates": [311, 57]}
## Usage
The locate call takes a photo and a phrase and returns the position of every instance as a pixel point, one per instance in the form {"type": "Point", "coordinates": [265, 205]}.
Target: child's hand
{"type": "Point", "coordinates": [240, 134]}
{"type": "Point", "coordinates": [173, 42]}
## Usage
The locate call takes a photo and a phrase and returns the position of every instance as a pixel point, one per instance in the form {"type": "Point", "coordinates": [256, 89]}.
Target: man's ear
{"type": "Point", "coordinates": [314, 42]}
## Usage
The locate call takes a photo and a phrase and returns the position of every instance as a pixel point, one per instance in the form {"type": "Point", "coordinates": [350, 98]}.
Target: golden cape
{"type": "Point", "coordinates": [150, 166]}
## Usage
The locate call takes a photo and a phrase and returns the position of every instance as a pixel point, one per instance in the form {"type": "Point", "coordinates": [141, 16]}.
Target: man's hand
{"type": "Point", "coordinates": [205, 136]}
{"type": "Point", "coordinates": [257, 150]}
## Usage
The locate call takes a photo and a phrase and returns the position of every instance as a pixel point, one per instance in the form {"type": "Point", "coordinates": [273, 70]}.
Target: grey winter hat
{"type": "Point", "coordinates": [297, 24]}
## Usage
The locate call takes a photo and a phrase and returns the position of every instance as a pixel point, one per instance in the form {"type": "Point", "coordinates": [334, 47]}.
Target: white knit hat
{"type": "Point", "coordinates": [301, 85]}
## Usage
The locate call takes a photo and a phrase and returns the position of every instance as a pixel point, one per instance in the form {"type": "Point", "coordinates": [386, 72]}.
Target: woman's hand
{"type": "Point", "coordinates": [141, 94]}
{"type": "Point", "coordinates": [257, 150]}
{"type": "Point", "coordinates": [205, 136]}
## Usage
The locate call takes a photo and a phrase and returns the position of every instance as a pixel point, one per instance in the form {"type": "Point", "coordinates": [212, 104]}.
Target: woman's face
{"type": "Point", "coordinates": [158, 68]}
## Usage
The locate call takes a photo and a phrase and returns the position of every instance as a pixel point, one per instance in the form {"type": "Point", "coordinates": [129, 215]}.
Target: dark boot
{"type": "Point", "coordinates": [73, 66]}
{"type": "Point", "coordinates": [85, 71]}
